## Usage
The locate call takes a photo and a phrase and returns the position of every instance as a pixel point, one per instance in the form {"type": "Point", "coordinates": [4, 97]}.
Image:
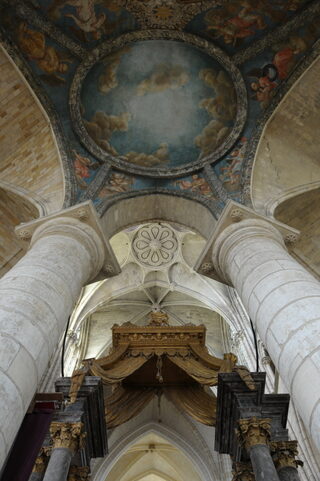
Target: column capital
{"type": "Point", "coordinates": [235, 221]}
{"type": "Point", "coordinates": [243, 472]}
{"type": "Point", "coordinates": [80, 222]}
{"type": "Point", "coordinates": [254, 431]}
{"type": "Point", "coordinates": [67, 435]}
{"type": "Point", "coordinates": [42, 460]}
{"type": "Point", "coordinates": [284, 454]}
{"type": "Point", "coordinates": [79, 473]}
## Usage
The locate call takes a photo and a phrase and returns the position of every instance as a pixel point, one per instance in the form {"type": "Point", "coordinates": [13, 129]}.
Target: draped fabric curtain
{"type": "Point", "coordinates": [199, 372]}
{"type": "Point", "coordinates": [126, 403]}
{"type": "Point", "coordinates": [200, 403]}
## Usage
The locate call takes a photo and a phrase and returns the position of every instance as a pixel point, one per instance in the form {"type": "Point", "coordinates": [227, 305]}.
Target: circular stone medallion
{"type": "Point", "coordinates": [158, 106]}
{"type": "Point", "coordinates": [155, 245]}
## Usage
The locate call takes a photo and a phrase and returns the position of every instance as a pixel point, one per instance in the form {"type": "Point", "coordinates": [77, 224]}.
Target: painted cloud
{"type": "Point", "coordinates": [108, 79]}
{"type": "Point", "coordinates": [211, 136]}
{"type": "Point", "coordinates": [160, 156]}
{"type": "Point", "coordinates": [164, 77]}
{"type": "Point", "coordinates": [102, 126]}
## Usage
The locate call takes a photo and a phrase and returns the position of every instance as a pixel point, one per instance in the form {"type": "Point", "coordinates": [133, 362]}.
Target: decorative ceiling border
{"type": "Point", "coordinates": [99, 52]}
{"type": "Point", "coordinates": [70, 181]}
{"type": "Point", "coordinates": [249, 157]}
{"type": "Point", "coordinates": [277, 34]}
{"type": "Point", "coordinates": [28, 14]}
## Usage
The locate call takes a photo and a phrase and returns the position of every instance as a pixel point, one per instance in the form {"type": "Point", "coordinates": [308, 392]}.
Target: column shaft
{"type": "Point", "coordinates": [59, 464]}
{"type": "Point", "coordinates": [288, 474]}
{"type": "Point", "coordinates": [37, 296]}
{"type": "Point", "coordinates": [262, 463]}
{"type": "Point", "coordinates": [283, 301]}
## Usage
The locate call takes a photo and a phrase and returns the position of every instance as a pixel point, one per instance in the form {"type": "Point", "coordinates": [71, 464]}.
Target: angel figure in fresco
{"type": "Point", "coordinates": [233, 24]}
{"type": "Point", "coordinates": [117, 184]}
{"type": "Point", "coordinates": [86, 18]}
{"type": "Point", "coordinates": [231, 173]}
{"type": "Point", "coordinates": [88, 22]}
{"type": "Point", "coordinates": [197, 184]}
{"type": "Point", "coordinates": [48, 59]}
{"type": "Point", "coordinates": [82, 165]}
{"type": "Point", "coordinates": [264, 83]}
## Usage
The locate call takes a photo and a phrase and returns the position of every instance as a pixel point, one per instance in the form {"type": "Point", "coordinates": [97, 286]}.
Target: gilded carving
{"type": "Point", "coordinates": [79, 473]}
{"type": "Point", "coordinates": [253, 431]}
{"type": "Point", "coordinates": [42, 460]}
{"type": "Point", "coordinates": [67, 435]}
{"type": "Point", "coordinates": [243, 472]}
{"type": "Point", "coordinates": [284, 454]}
{"type": "Point", "coordinates": [167, 13]}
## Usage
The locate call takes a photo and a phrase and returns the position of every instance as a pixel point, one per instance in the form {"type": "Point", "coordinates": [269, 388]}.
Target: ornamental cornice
{"type": "Point", "coordinates": [80, 222]}
{"type": "Point", "coordinates": [239, 220]}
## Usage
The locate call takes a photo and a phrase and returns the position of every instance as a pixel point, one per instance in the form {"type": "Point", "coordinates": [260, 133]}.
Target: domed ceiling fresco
{"type": "Point", "coordinates": [167, 96]}
{"type": "Point", "coordinates": [154, 106]}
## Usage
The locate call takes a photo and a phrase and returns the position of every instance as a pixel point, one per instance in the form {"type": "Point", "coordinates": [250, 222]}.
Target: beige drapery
{"type": "Point", "coordinates": [200, 403]}
{"type": "Point", "coordinates": [127, 402]}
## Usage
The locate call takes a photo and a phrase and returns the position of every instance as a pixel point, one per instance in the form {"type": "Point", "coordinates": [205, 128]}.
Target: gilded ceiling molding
{"type": "Point", "coordinates": [250, 153]}
{"type": "Point", "coordinates": [108, 47]}
{"type": "Point", "coordinates": [71, 185]}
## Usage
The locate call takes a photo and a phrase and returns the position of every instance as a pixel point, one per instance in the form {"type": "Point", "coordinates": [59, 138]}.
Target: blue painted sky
{"type": "Point", "coordinates": [171, 115]}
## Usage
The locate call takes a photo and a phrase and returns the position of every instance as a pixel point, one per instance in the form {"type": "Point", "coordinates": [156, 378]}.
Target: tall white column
{"type": "Point", "coordinates": [36, 297]}
{"type": "Point", "coordinates": [281, 297]}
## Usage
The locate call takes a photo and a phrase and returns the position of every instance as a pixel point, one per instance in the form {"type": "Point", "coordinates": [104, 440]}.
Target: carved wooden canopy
{"type": "Point", "coordinates": [158, 359]}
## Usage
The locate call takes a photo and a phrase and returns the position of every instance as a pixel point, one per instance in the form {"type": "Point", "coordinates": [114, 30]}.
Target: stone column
{"type": "Point", "coordinates": [67, 440]}
{"type": "Point", "coordinates": [36, 297]}
{"type": "Point", "coordinates": [285, 453]}
{"type": "Point", "coordinates": [243, 472]}
{"type": "Point", "coordinates": [254, 433]}
{"type": "Point", "coordinates": [280, 296]}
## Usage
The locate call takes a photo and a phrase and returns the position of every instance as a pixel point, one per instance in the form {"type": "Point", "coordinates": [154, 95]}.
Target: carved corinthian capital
{"type": "Point", "coordinates": [67, 435]}
{"type": "Point", "coordinates": [79, 473]}
{"type": "Point", "coordinates": [243, 472]}
{"type": "Point", "coordinates": [284, 454]}
{"type": "Point", "coordinates": [253, 431]}
{"type": "Point", "coordinates": [42, 460]}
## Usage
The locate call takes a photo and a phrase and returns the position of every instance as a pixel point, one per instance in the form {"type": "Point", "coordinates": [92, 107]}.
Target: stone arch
{"type": "Point", "coordinates": [133, 210]}
{"type": "Point", "coordinates": [286, 161]}
{"type": "Point", "coordinates": [14, 209]}
{"type": "Point", "coordinates": [33, 155]}
{"type": "Point", "coordinates": [301, 212]}
{"type": "Point", "coordinates": [196, 455]}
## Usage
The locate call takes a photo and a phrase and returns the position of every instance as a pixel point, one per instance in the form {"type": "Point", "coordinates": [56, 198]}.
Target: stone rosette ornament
{"type": "Point", "coordinates": [155, 245]}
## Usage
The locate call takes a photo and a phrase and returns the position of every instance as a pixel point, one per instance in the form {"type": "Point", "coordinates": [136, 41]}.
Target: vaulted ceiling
{"type": "Point", "coordinates": [159, 96]}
